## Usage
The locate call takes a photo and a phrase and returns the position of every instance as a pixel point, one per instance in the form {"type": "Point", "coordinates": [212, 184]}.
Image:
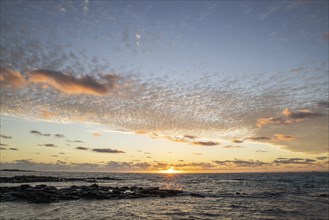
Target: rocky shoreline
{"type": "Point", "coordinates": [47, 194]}
{"type": "Point", "coordinates": [34, 179]}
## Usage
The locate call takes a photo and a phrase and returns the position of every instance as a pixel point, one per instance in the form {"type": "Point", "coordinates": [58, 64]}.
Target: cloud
{"type": "Point", "coordinates": [276, 137]}
{"type": "Point", "coordinates": [283, 137]}
{"type": "Point", "coordinates": [289, 117]}
{"type": "Point", "coordinates": [322, 158]}
{"type": "Point", "coordinates": [190, 136]}
{"type": "Point", "coordinates": [1, 144]}
{"type": "Point", "coordinates": [5, 136]}
{"type": "Point", "coordinates": [297, 70]}
{"type": "Point", "coordinates": [128, 166]}
{"type": "Point", "coordinates": [260, 151]}
{"type": "Point", "coordinates": [229, 165]}
{"type": "Point", "coordinates": [48, 115]}
{"type": "Point", "coordinates": [107, 150]}
{"type": "Point", "coordinates": [3, 148]}
{"type": "Point", "coordinates": [60, 162]}
{"type": "Point", "coordinates": [12, 148]}
{"type": "Point", "coordinates": [82, 148]}
{"type": "Point", "coordinates": [47, 145]}
{"type": "Point", "coordinates": [38, 133]}
{"type": "Point", "coordinates": [257, 138]}
{"type": "Point", "coordinates": [231, 146]}
{"type": "Point", "coordinates": [24, 161]}
{"type": "Point", "coordinates": [205, 143]}
{"type": "Point", "coordinates": [261, 122]}
{"type": "Point", "coordinates": [59, 135]}
{"type": "Point", "coordinates": [241, 163]}
{"type": "Point", "coordinates": [237, 141]}
{"type": "Point", "coordinates": [293, 161]}
{"type": "Point", "coordinates": [300, 114]}
{"type": "Point", "coordinates": [196, 110]}
{"type": "Point", "coordinates": [187, 139]}
{"type": "Point", "coordinates": [323, 104]}
{"type": "Point", "coordinates": [71, 85]}
{"type": "Point", "coordinates": [12, 79]}
{"type": "Point", "coordinates": [97, 134]}
{"type": "Point", "coordinates": [74, 141]}
{"type": "Point", "coordinates": [196, 153]}
{"type": "Point", "coordinates": [192, 166]}
{"type": "Point", "coordinates": [35, 132]}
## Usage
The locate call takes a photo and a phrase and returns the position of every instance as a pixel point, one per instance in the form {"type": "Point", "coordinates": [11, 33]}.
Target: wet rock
{"type": "Point", "coordinates": [33, 179]}
{"type": "Point", "coordinates": [25, 186]}
{"type": "Point", "coordinates": [94, 185]}
{"type": "Point", "coordinates": [47, 194]}
{"type": "Point", "coordinates": [324, 195]}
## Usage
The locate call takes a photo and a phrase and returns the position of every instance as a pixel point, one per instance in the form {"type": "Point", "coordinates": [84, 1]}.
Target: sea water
{"type": "Point", "coordinates": [224, 196]}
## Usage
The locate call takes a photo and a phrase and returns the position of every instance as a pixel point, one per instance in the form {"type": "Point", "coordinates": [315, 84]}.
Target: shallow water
{"type": "Point", "coordinates": [227, 196]}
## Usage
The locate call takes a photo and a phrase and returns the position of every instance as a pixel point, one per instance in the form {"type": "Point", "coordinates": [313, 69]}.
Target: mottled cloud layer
{"type": "Point", "coordinates": [198, 114]}
{"type": "Point", "coordinates": [190, 97]}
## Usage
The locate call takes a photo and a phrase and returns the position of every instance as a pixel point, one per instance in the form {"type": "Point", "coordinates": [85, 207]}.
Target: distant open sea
{"type": "Point", "coordinates": [227, 196]}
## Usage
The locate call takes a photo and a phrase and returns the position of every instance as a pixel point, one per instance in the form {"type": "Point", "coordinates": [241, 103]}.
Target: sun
{"type": "Point", "coordinates": [171, 170]}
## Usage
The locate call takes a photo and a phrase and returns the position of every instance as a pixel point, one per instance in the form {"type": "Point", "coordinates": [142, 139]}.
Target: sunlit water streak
{"type": "Point", "coordinates": [227, 196]}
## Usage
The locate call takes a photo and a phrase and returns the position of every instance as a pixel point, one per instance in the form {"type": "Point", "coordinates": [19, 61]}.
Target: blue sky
{"type": "Point", "coordinates": [186, 76]}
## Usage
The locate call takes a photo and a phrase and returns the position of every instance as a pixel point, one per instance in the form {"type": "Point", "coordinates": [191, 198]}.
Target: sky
{"type": "Point", "coordinates": [147, 86]}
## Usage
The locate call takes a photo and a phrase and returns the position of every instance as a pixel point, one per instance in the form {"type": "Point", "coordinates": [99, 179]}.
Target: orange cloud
{"type": "Point", "coordinates": [289, 117]}
{"type": "Point", "coordinates": [272, 121]}
{"type": "Point", "coordinates": [298, 114]}
{"type": "Point", "coordinates": [12, 79]}
{"type": "Point", "coordinates": [72, 85]}
{"type": "Point", "coordinates": [48, 115]}
{"type": "Point", "coordinates": [97, 134]}
{"type": "Point", "coordinates": [282, 137]}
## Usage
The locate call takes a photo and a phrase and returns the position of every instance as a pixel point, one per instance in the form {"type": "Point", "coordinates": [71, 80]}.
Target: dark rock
{"type": "Point", "coordinates": [47, 194]}
{"type": "Point", "coordinates": [25, 186]}
{"type": "Point", "coordinates": [324, 195]}
{"type": "Point", "coordinates": [94, 185]}
{"type": "Point", "coordinates": [33, 179]}
{"type": "Point", "coordinates": [40, 186]}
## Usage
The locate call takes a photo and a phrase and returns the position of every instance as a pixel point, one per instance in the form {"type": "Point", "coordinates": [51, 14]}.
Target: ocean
{"type": "Point", "coordinates": [220, 196]}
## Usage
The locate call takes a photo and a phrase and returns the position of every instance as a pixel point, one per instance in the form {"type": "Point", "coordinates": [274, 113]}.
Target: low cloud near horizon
{"type": "Point", "coordinates": [217, 165]}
